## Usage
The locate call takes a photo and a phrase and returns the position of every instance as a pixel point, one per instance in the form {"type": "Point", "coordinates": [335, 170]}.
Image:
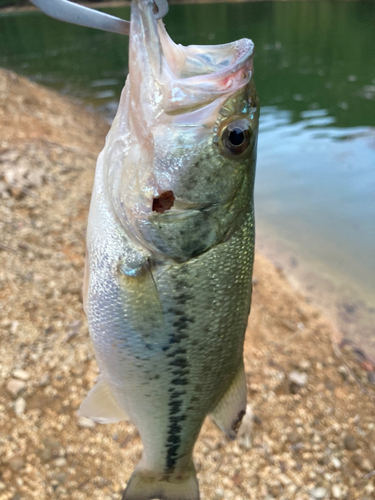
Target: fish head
{"type": "Point", "coordinates": [186, 134]}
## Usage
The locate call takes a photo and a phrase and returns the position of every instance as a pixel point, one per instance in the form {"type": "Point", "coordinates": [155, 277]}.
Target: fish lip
{"type": "Point", "coordinates": [243, 51]}
{"type": "Point", "coordinates": [226, 69]}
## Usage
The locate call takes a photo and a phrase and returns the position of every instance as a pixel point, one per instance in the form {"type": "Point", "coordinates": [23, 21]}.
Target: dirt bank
{"type": "Point", "coordinates": [314, 419]}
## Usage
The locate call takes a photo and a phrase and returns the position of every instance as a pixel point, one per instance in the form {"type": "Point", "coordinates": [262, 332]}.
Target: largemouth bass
{"type": "Point", "coordinates": [170, 247]}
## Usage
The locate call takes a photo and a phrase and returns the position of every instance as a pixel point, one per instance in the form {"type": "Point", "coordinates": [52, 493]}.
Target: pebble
{"type": "Point", "coordinates": [2, 486]}
{"type": "Point", "coordinates": [20, 406]}
{"type": "Point", "coordinates": [15, 386]}
{"type": "Point", "coordinates": [219, 493]}
{"type": "Point", "coordinates": [16, 463]}
{"type": "Point", "coordinates": [46, 454]}
{"type": "Point", "coordinates": [366, 465]}
{"type": "Point", "coordinates": [86, 423]}
{"type": "Point", "coordinates": [336, 463]}
{"type": "Point", "coordinates": [298, 378]}
{"type": "Point", "coordinates": [343, 372]}
{"type": "Point", "coordinates": [45, 380]}
{"type": "Point", "coordinates": [14, 327]}
{"type": "Point", "coordinates": [36, 178]}
{"type": "Point", "coordinates": [292, 488]}
{"type": "Point", "coordinates": [371, 377]}
{"type": "Point", "coordinates": [284, 479]}
{"type": "Point", "coordinates": [60, 462]}
{"type": "Point", "coordinates": [61, 477]}
{"type": "Point", "coordinates": [78, 369]}
{"type": "Point", "coordinates": [318, 493]}
{"type": "Point", "coordinates": [274, 490]}
{"type": "Point", "coordinates": [336, 491]}
{"type": "Point", "coordinates": [304, 365]}
{"type": "Point", "coordinates": [294, 437]}
{"type": "Point", "coordinates": [21, 374]}
{"type": "Point", "coordinates": [350, 443]}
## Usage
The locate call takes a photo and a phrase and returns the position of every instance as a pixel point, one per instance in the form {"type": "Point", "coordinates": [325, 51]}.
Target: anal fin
{"type": "Point", "coordinates": [231, 409]}
{"type": "Point", "coordinates": [100, 405]}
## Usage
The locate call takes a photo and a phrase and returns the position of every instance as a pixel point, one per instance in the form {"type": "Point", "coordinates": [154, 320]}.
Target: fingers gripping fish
{"type": "Point", "coordinates": [170, 247]}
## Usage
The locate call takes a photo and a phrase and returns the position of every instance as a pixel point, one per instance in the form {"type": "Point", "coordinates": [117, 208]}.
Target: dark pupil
{"type": "Point", "coordinates": [236, 137]}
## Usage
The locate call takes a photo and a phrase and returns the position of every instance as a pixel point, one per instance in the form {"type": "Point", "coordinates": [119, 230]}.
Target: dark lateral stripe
{"type": "Point", "coordinates": [179, 366]}
{"type": "Point", "coordinates": [179, 362]}
{"type": "Point", "coordinates": [180, 381]}
{"type": "Point", "coordinates": [181, 372]}
{"type": "Point", "coordinates": [174, 406]}
{"type": "Point", "coordinates": [177, 351]}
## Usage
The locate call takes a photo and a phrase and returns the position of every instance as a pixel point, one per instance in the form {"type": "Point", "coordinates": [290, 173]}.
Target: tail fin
{"type": "Point", "coordinates": [144, 485]}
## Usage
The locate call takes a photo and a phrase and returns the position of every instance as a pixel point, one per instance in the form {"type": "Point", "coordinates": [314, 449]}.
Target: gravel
{"type": "Point", "coordinates": [20, 406]}
{"type": "Point", "coordinates": [86, 423]}
{"type": "Point", "coordinates": [298, 378]}
{"type": "Point", "coordinates": [319, 493]}
{"type": "Point", "coordinates": [21, 374]}
{"type": "Point", "coordinates": [15, 386]}
{"type": "Point", "coordinates": [350, 442]}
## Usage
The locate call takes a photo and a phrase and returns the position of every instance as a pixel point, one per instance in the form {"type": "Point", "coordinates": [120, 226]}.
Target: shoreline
{"type": "Point", "coordinates": [340, 301]}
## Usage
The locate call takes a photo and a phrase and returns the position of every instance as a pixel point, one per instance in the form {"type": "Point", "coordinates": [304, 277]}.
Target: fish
{"type": "Point", "coordinates": [170, 249]}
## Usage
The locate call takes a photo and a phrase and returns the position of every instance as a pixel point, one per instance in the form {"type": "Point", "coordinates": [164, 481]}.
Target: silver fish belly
{"type": "Point", "coordinates": [170, 248]}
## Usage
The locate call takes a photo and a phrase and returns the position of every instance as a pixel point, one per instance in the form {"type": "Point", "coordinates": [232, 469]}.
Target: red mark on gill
{"type": "Point", "coordinates": [163, 202]}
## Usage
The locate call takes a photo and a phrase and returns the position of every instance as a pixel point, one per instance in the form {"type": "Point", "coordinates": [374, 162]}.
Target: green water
{"type": "Point", "coordinates": [315, 74]}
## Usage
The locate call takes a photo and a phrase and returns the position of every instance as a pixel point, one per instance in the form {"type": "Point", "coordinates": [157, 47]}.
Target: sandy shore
{"type": "Point", "coordinates": [313, 431]}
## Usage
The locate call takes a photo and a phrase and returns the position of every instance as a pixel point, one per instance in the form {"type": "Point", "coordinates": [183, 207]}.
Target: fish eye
{"type": "Point", "coordinates": [236, 137]}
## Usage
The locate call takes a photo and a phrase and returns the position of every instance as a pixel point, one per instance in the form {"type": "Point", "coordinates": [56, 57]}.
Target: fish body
{"type": "Point", "coordinates": [170, 247]}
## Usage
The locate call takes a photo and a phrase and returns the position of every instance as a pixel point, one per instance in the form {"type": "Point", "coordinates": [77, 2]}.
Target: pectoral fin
{"type": "Point", "coordinates": [231, 409]}
{"type": "Point", "coordinates": [141, 297]}
{"type": "Point", "coordinates": [100, 405]}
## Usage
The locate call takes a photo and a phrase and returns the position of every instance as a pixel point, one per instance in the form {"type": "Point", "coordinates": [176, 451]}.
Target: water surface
{"type": "Point", "coordinates": [315, 74]}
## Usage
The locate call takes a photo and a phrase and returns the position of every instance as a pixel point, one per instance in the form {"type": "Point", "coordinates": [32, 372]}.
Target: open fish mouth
{"type": "Point", "coordinates": [183, 79]}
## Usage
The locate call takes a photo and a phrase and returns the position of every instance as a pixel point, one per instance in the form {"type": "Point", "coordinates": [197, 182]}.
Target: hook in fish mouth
{"type": "Point", "coordinates": [73, 13]}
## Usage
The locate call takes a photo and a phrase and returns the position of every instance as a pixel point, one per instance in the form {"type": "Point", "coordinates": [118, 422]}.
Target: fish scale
{"type": "Point", "coordinates": [168, 282]}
